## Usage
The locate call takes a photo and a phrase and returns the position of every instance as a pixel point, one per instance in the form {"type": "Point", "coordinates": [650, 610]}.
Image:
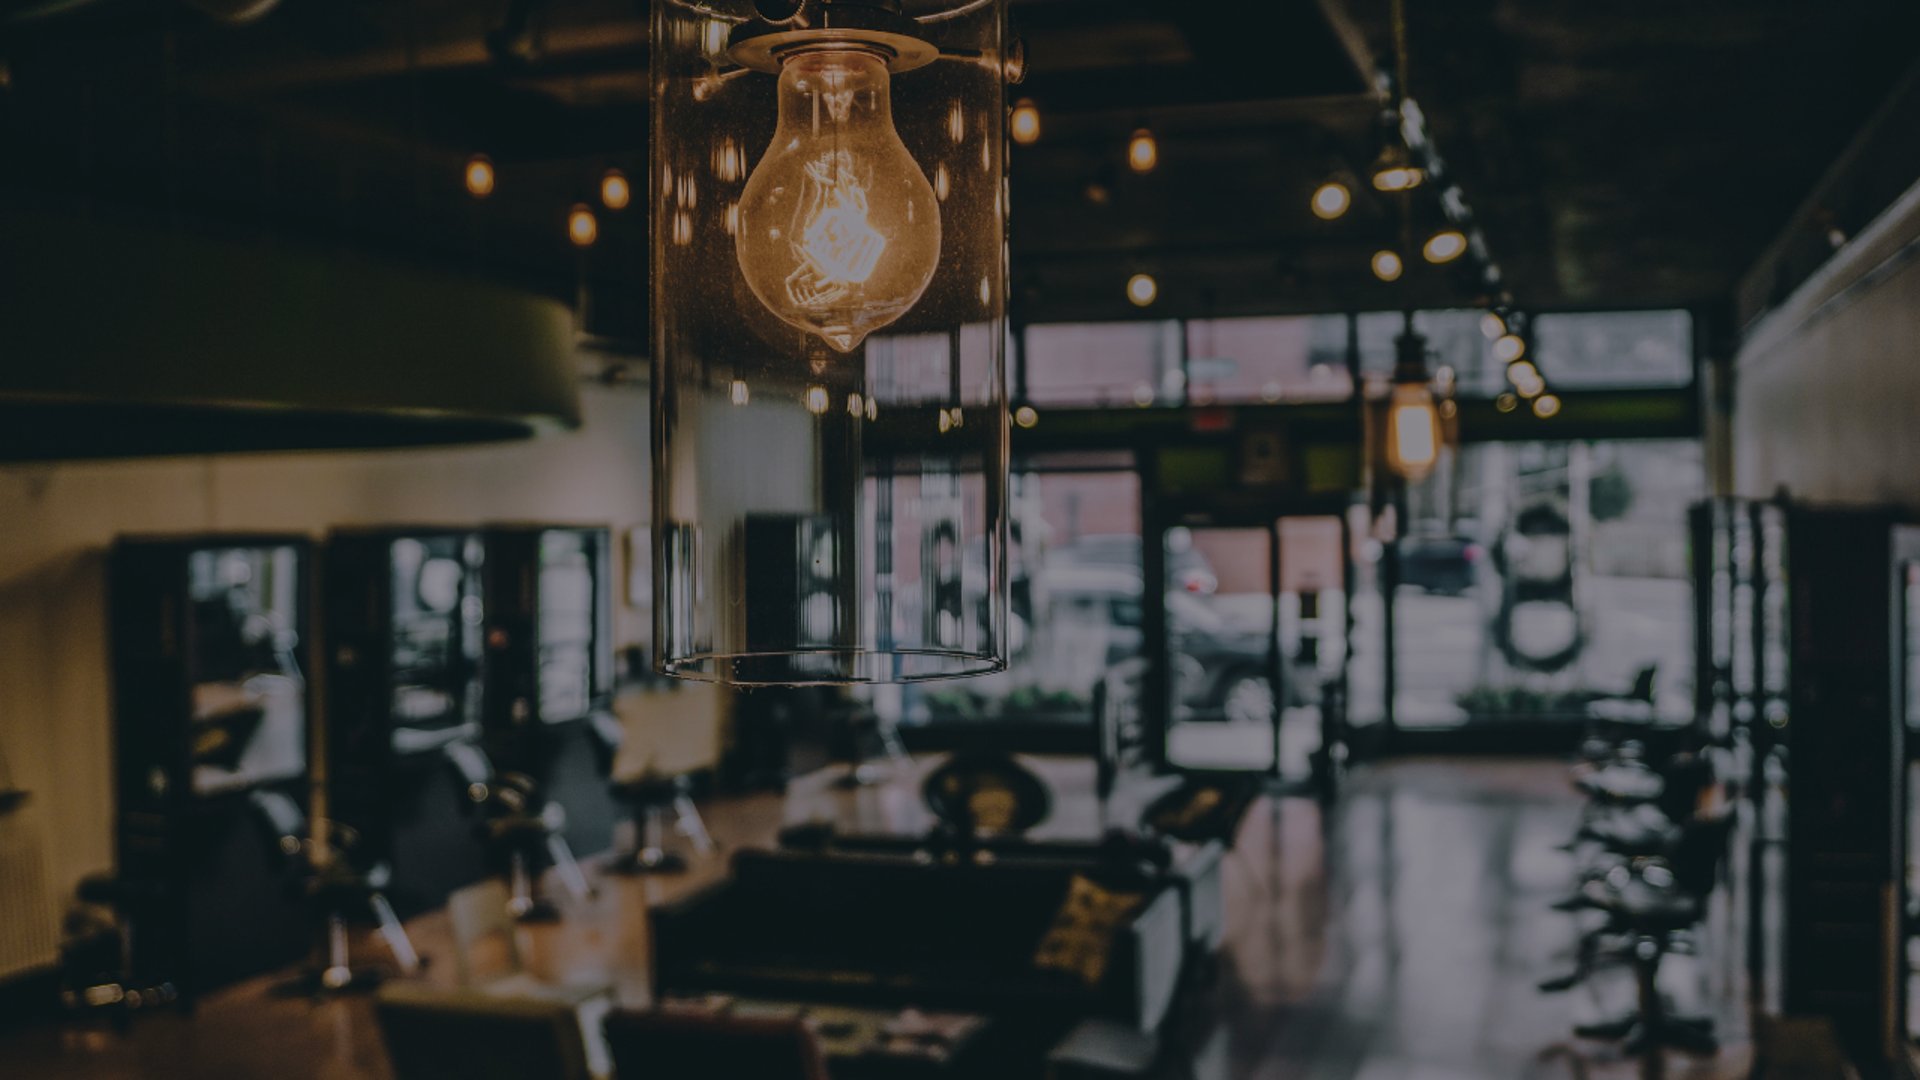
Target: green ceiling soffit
{"type": "Point", "coordinates": [120, 341]}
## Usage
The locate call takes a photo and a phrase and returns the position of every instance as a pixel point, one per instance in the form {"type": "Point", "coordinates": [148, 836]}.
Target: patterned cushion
{"type": "Point", "coordinates": [1081, 938]}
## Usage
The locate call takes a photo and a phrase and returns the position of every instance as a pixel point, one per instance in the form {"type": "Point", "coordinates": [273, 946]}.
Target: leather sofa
{"type": "Point", "coordinates": [882, 930]}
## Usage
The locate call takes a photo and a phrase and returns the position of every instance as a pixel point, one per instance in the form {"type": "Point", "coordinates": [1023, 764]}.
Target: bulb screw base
{"type": "Point", "coordinates": [875, 25]}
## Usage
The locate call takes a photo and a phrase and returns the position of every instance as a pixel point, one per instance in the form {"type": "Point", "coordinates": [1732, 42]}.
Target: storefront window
{"type": "Point", "coordinates": [1269, 360]}
{"type": "Point", "coordinates": [1081, 364]}
{"type": "Point", "coordinates": [1537, 578]}
{"type": "Point", "coordinates": [1615, 348]}
{"type": "Point", "coordinates": [1074, 605]}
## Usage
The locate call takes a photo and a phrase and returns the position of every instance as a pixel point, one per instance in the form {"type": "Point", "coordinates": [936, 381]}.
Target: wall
{"type": "Point", "coordinates": [56, 521]}
{"type": "Point", "coordinates": [1827, 387]}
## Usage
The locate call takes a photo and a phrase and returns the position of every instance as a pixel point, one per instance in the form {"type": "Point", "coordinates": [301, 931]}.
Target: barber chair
{"type": "Point", "coordinates": [651, 799]}
{"type": "Point", "coordinates": [666, 736]}
{"type": "Point", "coordinates": [94, 963]}
{"type": "Point", "coordinates": [524, 831]}
{"type": "Point", "coordinates": [1652, 905]}
{"type": "Point", "coordinates": [1656, 910]}
{"type": "Point", "coordinates": [338, 895]}
{"type": "Point", "coordinates": [868, 745]}
{"type": "Point", "coordinates": [1633, 710]}
{"type": "Point", "coordinates": [1639, 819]}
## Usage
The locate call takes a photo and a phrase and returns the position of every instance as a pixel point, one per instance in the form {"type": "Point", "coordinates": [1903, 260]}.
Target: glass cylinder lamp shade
{"type": "Point", "coordinates": [829, 336]}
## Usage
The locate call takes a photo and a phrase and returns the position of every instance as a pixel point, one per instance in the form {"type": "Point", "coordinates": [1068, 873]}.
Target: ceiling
{"type": "Point", "coordinates": [1632, 153]}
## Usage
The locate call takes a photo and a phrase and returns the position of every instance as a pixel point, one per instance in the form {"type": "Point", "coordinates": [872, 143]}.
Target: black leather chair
{"type": "Point", "coordinates": [339, 893]}
{"type": "Point", "coordinates": [433, 1034]}
{"type": "Point", "coordinates": [526, 831]}
{"type": "Point", "coordinates": [1652, 910]}
{"type": "Point", "coordinates": [1651, 907]}
{"type": "Point", "coordinates": [669, 1045]}
{"type": "Point", "coordinates": [650, 799]}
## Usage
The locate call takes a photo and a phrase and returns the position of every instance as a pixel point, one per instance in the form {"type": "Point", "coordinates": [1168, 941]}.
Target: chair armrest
{"type": "Point", "coordinates": [1149, 957]}
{"type": "Point", "coordinates": [1199, 871]}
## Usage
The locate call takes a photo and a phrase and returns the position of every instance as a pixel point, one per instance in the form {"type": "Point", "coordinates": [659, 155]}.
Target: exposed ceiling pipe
{"type": "Point", "coordinates": [31, 10]}
{"type": "Point", "coordinates": [233, 12]}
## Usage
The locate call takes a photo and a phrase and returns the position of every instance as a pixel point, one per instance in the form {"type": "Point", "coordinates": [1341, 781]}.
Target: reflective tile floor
{"type": "Point", "coordinates": [1400, 938]}
{"type": "Point", "coordinates": [1397, 937]}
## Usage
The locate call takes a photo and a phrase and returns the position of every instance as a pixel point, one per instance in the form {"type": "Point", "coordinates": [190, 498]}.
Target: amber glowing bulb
{"type": "Point", "coordinates": [839, 230]}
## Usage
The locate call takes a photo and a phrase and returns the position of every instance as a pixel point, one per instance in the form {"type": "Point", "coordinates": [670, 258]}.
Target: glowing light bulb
{"type": "Point", "coordinates": [1386, 266]}
{"type": "Point", "coordinates": [839, 229]}
{"type": "Point", "coordinates": [1394, 169]}
{"type": "Point", "coordinates": [1546, 406]}
{"type": "Point", "coordinates": [1026, 416]}
{"type": "Point", "coordinates": [1522, 372]}
{"type": "Point", "coordinates": [1024, 124]}
{"type": "Point", "coordinates": [582, 227]}
{"type": "Point", "coordinates": [1399, 178]}
{"type": "Point", "coordinates": [1509, 347]}
{"type": "Point", "coordinates": [815, 400]}
{"type": "Point", "coordinates": [1445, 246]}
{"type": "Point", "coordinates": [1492, 326]}
{"type": "Point", "coordinates": [479, 176]}
{"type": "Point", "coordinates": [1413, 430]}
{"type": "Point", "coordinates": [1331, 200]}
{"type": "Point", "coordinates": [615, 192]}
{"type": "Point", "coordinates": [738, 393]}
{"type": "Point", "coordinates": [1142, 289]}
{"type": "Point", "coordinates": [1143, 153]}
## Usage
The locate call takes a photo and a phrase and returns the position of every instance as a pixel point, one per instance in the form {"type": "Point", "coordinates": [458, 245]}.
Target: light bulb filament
{"type": "Point", "coordinates": [837, 248]}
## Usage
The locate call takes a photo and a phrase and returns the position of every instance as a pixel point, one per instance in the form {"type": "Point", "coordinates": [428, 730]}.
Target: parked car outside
{"type": "Point", "coordinates": [1220, 669]}
{"type": "Point", "coordinates": [1187, 567]}
{"type": "Point", "coordinates": [1441, 563]}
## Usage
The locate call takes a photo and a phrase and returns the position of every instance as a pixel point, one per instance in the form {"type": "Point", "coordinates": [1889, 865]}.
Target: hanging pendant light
{"type": "Point", "coordinates": [1393, 169]}
{"type": "Point", "coordinates": [1444, 246]}
{"type": "Point", "coordinates": [1024, 125]}
{"type": "Point", "coordinates": [1143, 151]}
{"type": "Point", "coordinates": [1413, 426]}
{"type": "Point", "coordinates": [615, 191]}
{"type": "Point", "coordinates": [819, 214]}
{"type": "Point", "coordinates": [479, 176]}
{"type": "Point", "coordinates": [1142, 290]}
{"type": "Point", "coordinates": [1331, 200]}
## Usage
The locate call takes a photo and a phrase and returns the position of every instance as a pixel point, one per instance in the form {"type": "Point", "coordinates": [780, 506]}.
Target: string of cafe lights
{"type": "Point", "coordinates": [582, 222]}
{"type": "Point", "coordinates": [1408, 163]}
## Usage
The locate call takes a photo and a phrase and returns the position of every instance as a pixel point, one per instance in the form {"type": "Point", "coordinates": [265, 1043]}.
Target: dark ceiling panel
{"type": "Point", "coordinates": [1637, 152]}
